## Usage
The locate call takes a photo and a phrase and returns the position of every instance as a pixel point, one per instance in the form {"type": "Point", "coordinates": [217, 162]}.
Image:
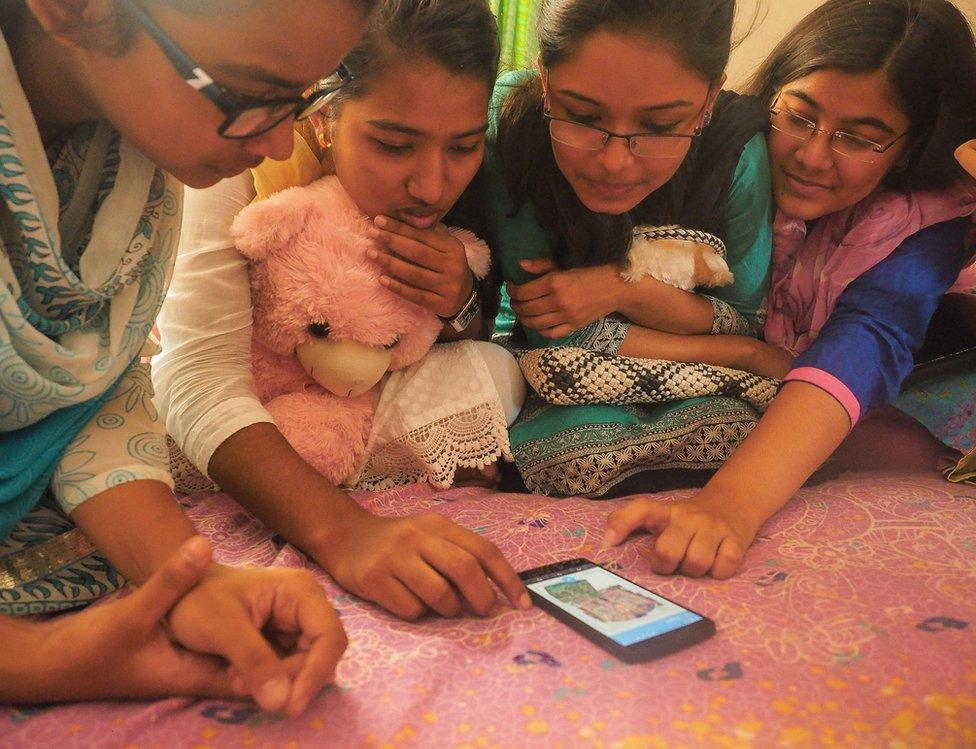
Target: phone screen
{"type": "Point", "coordinates": [617, 608]}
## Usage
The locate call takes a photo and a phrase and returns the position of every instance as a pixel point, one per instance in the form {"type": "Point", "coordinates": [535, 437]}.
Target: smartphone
{"type": "Point", "coordinates": [621, 617]}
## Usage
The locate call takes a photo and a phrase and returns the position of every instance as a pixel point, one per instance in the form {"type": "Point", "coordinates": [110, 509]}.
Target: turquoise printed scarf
{"type": "Point", "coordinates": [89, 227]}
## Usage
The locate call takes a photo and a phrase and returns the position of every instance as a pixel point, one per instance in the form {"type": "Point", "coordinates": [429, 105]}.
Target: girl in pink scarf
{"type": "Point", "coordinates": [868, 100]}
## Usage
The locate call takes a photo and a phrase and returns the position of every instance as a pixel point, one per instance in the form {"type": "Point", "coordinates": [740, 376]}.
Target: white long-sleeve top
{"type": "Point", "coordinates": [202, 378]}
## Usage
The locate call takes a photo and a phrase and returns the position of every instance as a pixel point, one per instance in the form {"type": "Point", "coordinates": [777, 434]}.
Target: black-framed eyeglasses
{"type": "Point", "coordinates": [593, 138]}
{"type": "Point", "coordinates": [245, 116]}
{"type": "Point", "coordinates": [855, 147]}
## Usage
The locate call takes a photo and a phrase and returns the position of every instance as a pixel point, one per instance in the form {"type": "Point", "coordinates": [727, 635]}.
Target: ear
{"type": "Point", "coordinates": [267, 225]}
{"type": "Point", "coordinates": [713, 92]}
{"type": "Point", "coordinates": [85, 24]}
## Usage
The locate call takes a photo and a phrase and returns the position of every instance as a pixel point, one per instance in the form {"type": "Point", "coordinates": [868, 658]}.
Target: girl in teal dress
{"type": "Point", "coordinates": [624, 124]}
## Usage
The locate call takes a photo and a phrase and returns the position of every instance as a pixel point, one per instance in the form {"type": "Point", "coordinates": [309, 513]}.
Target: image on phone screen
{"type": "Point", "coordinates": [619, 615]}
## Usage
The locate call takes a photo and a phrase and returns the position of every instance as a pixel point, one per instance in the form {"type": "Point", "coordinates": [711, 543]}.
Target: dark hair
{"type": "Point", "coordinates": [699, 34]}
{"type": "Point", "coordinates": [225, 6]}
{"type": "Point", "coordinates": [925, 49]}
{"type": "Point", "coordinates": [459, 35]}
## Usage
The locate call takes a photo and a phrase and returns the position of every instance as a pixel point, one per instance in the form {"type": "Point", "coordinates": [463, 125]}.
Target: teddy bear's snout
{"type": "Point", "coordinates": [344, 368]}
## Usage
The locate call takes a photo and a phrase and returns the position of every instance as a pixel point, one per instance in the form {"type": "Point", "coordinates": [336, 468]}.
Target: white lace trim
{"type": "Point", "coordinates": [434, 417]}
{"type": "Point", "coordinates": [188, 479]}
{"type": "Point", "coordinates": [475, 438]}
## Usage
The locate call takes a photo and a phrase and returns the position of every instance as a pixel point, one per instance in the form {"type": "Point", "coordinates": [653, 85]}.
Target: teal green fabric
{"type": "Point", "coordinates": [589, 450]}
{"type": "Point", "coordinates": [31, 454]}
{"type": "Point", "coordinates": [749, 231]}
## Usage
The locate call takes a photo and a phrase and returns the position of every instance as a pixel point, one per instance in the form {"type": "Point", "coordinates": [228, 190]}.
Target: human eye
{"type": "Point", "coordinates": [854, 143]}
{"type": "Point", "coordinates": [797, 120]}
{"type": "Point", "coordinates": [581, 118]}
{"type": "Point", "coordinates": [395, 149]}
{"type": "Point", "coordinates": [464, 150]}
{"type": "Point", "coordinates": [658, 128]}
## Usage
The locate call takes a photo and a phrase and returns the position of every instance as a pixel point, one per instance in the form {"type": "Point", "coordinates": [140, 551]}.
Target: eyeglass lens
{"type": "Point", "coordinates": [582, 136]}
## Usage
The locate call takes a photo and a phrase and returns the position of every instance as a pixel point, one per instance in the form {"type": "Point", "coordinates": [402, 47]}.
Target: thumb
{"type": "Point", "coordinates": [644, 514]}
{"type": "Point", "coordinates": [538, 265]}
{"type": "Point", "coordinates": [174, 579]}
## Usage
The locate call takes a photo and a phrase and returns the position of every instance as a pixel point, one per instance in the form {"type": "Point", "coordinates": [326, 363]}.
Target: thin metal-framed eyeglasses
{"type": "Point", "coordinates": [855, 147]}
{"type": "Point", "coordinates": [593, 138]}
{"type": "Point", "coordinates": [245, 116]}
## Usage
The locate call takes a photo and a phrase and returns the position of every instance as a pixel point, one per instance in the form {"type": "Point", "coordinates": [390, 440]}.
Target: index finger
{"type": "Point", "coordinates": [495, 565]}
{"type": "Point", "coordinates": [524, 292]}
{"type": "Point", "coordinates": [640, 513]}
{"type": "Point", "coordinates": [325, 641]}
{"type": "Point", "coordinates": [430, 237]}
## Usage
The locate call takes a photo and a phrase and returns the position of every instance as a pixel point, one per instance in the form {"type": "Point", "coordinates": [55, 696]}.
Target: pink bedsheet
{"type": "Point", "coordinates": [850, 624]}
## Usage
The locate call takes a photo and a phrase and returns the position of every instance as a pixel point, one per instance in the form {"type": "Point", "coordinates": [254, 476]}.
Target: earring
{"type": "Point", "coordinates": [323, 140]}
{"type": "Point", "coordinates": [707, 119]}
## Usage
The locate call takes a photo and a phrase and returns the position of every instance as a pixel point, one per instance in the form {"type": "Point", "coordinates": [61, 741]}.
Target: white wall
{"type": "Point", "coordinates": [775, 18]}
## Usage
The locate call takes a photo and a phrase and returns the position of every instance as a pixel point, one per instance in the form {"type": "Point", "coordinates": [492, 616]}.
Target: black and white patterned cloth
{"type": "Point", "coordinates": [566, 376]}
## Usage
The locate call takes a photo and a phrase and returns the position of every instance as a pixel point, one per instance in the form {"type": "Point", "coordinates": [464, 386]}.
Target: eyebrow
{"type": "Point", "coordinates": [397, 127]}
{"type": "Point", "coordinates": [255, 73]}
{"type": "Point", "coordinates": [866, 121]}
{"type": "Point", "coordinates": [649, 108]}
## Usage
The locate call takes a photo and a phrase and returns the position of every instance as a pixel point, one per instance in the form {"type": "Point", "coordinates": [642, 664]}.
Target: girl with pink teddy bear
{"type": "Point", "coordinates": [405, 138]}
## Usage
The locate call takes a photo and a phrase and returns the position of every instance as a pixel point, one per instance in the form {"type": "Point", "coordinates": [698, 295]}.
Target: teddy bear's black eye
{"type": "Point", "coordinates": [394, 342]}
{"type": "Point", "coordinates": [319, 330]}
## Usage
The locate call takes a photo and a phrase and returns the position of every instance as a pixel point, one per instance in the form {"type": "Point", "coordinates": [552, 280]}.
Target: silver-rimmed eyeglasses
{"type": "Point", "coordinates": [851, 146]}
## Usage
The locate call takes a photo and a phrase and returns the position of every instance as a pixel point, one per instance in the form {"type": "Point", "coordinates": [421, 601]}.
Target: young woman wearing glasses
{"type": "Point", "coordinates": [868, 100]}
{"type": "Point", "coordinates": [625, 124]}
{"type": "Point", "coordinates": [405, 140]}
{"type": "Point", "coordinates": [104, 106]}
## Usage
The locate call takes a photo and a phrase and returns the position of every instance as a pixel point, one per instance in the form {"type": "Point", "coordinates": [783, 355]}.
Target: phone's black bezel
{"type": "Point", "coordinates": [640, 652]}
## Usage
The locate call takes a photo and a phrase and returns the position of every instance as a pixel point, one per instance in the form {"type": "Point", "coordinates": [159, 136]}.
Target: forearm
{"type": "Point", "coordinates": [654, 304]}
{"type": "Point", "coordinates": [281, 489]}
{"type": "Point", "coordinates": [137, 525]}
{"type": "Point", "coordinates": [801, 429]}
{"type": "Point", "coordinates": [737, 352]}
{"type": "Point", "coordinates": [28, 670]}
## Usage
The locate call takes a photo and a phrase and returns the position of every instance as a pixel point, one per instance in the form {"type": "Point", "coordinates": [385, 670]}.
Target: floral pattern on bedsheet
{"type": "Point", "coordinates": [852, 623]}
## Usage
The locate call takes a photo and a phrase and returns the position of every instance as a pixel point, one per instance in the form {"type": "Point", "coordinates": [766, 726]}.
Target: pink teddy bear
{"type": "Point", "coordinates": [325, 330]}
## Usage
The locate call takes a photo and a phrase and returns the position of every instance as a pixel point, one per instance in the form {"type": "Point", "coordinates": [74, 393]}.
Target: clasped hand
{"type": "Point", "coordinates": [212, 647]}
{"type": "Point", "coordinates": [560, 302]}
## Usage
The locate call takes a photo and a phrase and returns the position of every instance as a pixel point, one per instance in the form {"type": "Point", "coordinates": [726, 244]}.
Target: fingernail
{"type": "Point", "coordinates": [381, 221]}
{"type": "Point", "coordinates": [273, 694]}
{"type": "Point", "coordinates": [525, 602]}
{"type": "Point", "coordinates": [372, 254]}
{"type": "Point", "coordinates": [609, 539]}
{"type": "Point", "coordinates": [384, 281]}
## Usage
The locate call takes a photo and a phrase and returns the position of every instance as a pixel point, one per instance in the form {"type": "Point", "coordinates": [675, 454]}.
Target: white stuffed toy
{"type": "Point", "coordinates": [679, 257]}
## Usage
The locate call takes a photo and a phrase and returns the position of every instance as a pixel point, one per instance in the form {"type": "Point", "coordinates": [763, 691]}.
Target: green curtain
{"type": "Point", "coordinates": [516, 27]}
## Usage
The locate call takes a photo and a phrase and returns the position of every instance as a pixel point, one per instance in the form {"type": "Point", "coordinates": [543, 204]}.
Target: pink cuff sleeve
{"type": "Point", "coordinates": [827, 382]}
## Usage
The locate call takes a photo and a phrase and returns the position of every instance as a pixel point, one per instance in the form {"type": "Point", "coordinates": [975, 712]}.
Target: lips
{"type": "Point", "coordinates": [419, 218]}
{"type": "Point", "coordinates": [796, 183]}
{"type": "Point", "coordinates": [610, 190]}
